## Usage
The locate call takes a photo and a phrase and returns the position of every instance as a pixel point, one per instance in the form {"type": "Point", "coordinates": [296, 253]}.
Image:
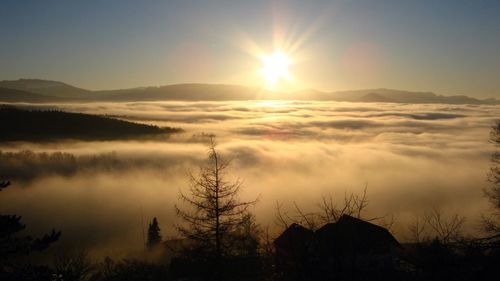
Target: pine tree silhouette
{"type": "Point", "coordinates": [11, 244]}
{"type": "Point", "coordinates": [154, 236]}
{"type": "Point", "coordinates": [213, 211]}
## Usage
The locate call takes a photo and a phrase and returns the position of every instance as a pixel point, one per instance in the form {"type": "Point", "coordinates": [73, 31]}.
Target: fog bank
{"type": "Point", "coordinates": [412, 157]}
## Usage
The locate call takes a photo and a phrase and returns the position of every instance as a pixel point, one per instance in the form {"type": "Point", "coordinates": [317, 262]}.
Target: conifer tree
{"type": "Point", "coordinates": [213, 212]}
{"type": "Point", "coordinates": [154, 236]}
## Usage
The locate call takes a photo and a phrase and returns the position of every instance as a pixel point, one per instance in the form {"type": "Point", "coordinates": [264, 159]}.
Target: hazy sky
{"type": "Point", "coordinates": [449, 47]}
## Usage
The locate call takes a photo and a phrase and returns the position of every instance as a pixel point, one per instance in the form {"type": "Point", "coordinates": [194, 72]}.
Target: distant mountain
{"type": "Point", "coordinates": [50, 90]}
{"type": "Point", "coordinates": [375, 97]}
{"type": "Point", "coordinates": [214, 92]}
{"type": "Point", "coordinates": [11, 95]}
{"type": "Point", "coordinates": [34, 125]}
{"type": "Point", "coordinates": [46, 87]}
{"type": "Point", "coordinates": [209, 92]}
{"type": "Point", "coordinates": [397, 96]}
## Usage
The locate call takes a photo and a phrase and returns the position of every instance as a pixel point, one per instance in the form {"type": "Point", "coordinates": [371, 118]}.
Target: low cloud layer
{"type": "Point", "coordinates": [412, 157]}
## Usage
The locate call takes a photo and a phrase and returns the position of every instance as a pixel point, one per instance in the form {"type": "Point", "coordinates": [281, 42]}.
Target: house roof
{"type": "Point", "coordinates": [295, 233]}
{"type": "Point", "coordinates": [347, 233]}
{"type": "Point", "coordinates": [349, 230]}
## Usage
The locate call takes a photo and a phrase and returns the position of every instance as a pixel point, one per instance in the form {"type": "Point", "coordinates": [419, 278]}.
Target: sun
{"type": "Point", "coordinates": [275, 67]}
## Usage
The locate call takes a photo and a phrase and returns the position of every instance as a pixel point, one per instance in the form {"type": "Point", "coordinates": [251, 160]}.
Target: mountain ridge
{"type": "Point", "coordinates": [38, 90]}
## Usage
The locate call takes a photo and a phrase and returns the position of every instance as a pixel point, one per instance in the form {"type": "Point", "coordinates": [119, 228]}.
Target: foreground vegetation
{"type": "Point", "coordinates": [220, 240]}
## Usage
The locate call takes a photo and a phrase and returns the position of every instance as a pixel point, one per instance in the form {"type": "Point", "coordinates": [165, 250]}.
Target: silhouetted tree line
{"type": "Point", "coordinates": [36, 125]}
{"type": "Point", "coordinates": [27, 165]}
{"type": "Point", "coordinates": [220, 240]}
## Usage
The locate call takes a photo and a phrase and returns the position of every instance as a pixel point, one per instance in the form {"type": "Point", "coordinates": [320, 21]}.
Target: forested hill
{"type": "Point", "coordinates": [34, 125]}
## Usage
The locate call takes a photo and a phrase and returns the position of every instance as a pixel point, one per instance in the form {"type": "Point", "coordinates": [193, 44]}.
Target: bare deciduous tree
{"type": "Point", "coordinates": [266, 245]}
{"type": "Point", "coordinates": [309, 219]}
{"type": "Point", "coordinates": [491, 223]}
{"type": "Point", "coordinates": [446, 229]}
{"type": "Point", "coordinates": [388, 221]}
{"type": "Point", "coordinates": [73, 266]}
{"type": "Point", "coordinates": [214, 211]}
{"type": "Point", "coordinates": [417, 229]}
{"type": "Point", "coordinates": [353, 205]}
{"type": "Point", "coordinates": [329, 212]}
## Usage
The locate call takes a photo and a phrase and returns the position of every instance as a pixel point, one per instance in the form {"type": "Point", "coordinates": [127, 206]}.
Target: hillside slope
{"type": "Point", "coordinates": [12, 95]}
{"type": "Point", "coordinates": [46, 87]}
{"type": "Point", "coordinates": [32, 125]}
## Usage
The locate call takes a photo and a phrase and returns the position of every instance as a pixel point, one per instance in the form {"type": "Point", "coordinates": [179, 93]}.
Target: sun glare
{"type": "Point", "coordinates": [275, 68]}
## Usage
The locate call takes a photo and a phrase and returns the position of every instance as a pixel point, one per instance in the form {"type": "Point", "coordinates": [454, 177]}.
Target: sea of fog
{"type": "Point", "coordinates": [411, 158]}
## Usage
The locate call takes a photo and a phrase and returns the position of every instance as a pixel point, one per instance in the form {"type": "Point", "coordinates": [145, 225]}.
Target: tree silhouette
{"type": "Point", "coordinates": [329, 212]}
{"type": "Point", "coordinates": [492, 223]}
{"type": "Point", "coordinates": [245, 238]}
{"type": "Point", "coordinates": [214, 212]}
{"type": "Point", "coordinates": [4, 184]}
{"type": "Point", "coordinates": [154, 236]}
{"type": "Point", "coordinates": [11, 244]}
{"type": "Point", "coordinates": [73, 266]}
